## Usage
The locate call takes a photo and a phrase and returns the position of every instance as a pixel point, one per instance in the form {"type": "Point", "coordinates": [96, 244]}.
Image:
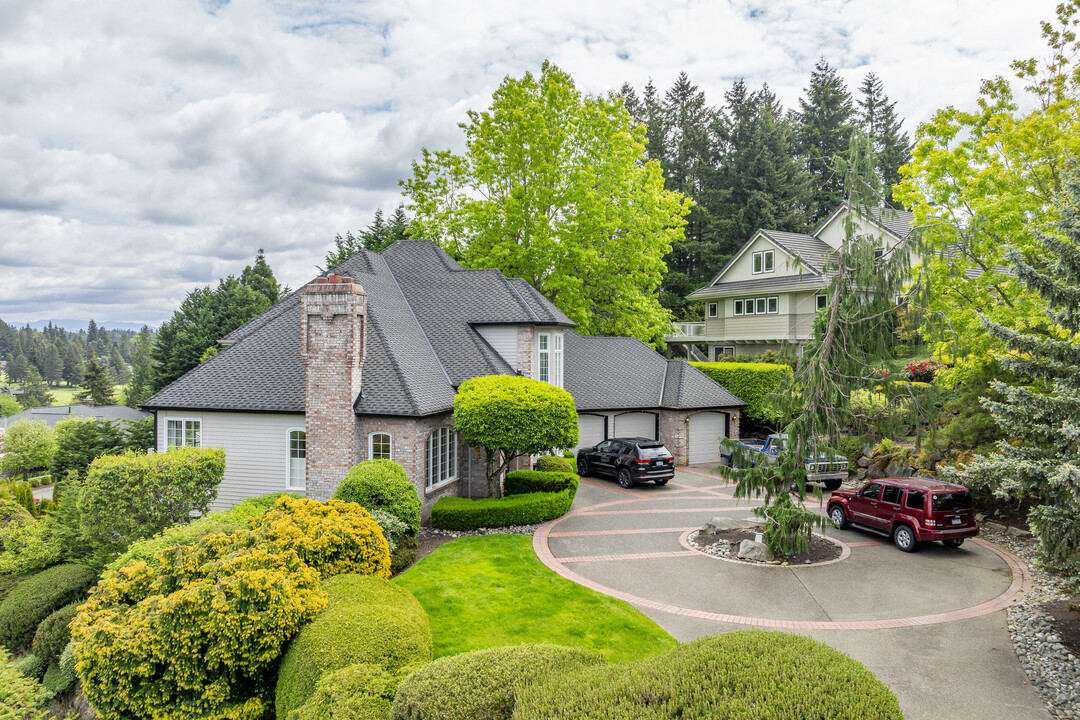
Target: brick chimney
{"type": "Point", "coordinates": [333, 347]}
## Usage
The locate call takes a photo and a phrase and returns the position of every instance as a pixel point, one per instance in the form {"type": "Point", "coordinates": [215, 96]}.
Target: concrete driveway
{"type": "Point", "coordinates": [929, 624]}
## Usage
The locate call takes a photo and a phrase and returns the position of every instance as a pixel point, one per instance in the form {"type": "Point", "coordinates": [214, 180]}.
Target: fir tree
{"type": "Point", "coordinates": [52, 365]}
{"type": "Point", "coordinates": [17, 368]}
{"type": "Point", "coordinates": [260, 278]}
{"type": "Point", "coordinates": [1039, 463]}
{"type": "Point", "coordinates": [823, 133]}
{"type": "Point", "coordinates": [878, 120]}
{"type": "Point", "coordinates": [35, 390]}
{"type": "Point", "coordinates": [97, 384]}
{"type": "Point", "coordinates": [118, 367]}
{"type": "Point", "coordinates": [378, 235]}
{"type": "Point", "coordinates": [142, 370]}
{"type": "Point", "coordinates": [73, 363]}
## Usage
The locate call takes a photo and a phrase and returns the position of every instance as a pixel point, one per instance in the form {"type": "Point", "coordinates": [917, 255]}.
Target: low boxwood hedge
{"type": "Point", "coordinates": [37, 597]}
{"type": "Point", "coordinates": [744, 675]}
{"type": "Point", "coordinates": [53, 634]}
{"type": "Point", "coordinates": [520, 482]}
{"type": "Point", "coordinates": [482, 684]}
{"type": "Point", "coordinates": [367, 620]}
{"type": "Point", "coordinates": [554, 463]}
{"type": "Point", "coordinates": [451, 513]}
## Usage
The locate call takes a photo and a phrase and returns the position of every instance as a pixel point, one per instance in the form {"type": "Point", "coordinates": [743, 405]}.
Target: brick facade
{"type": "Point", "coordinates": [333, 346]}
{"type": "Point", "coordinates": [526, 350]}
{"type": "Point", "coordinates": [675, 431]}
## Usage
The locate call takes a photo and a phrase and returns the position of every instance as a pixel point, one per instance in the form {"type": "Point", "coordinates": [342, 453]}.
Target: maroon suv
{"type": "Point", "coordinates": [910, 510]}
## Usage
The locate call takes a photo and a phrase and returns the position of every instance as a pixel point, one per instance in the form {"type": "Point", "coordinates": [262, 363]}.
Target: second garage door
{"type": "Point", "coordinates": [590, 430]}
{"type": "Point", "coordinates": [635, 424]}
{"type": "Point", "coordinates": [706, 429]}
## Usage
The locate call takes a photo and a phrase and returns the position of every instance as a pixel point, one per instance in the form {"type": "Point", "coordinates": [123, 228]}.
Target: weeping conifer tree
{"type": "Point", "coordinates": [871, 278]}
{"type": "Point", "coordinates": [1039, 462]}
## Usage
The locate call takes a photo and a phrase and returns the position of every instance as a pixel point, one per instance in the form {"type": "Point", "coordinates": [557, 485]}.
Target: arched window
{"type": "Point", "coordinates": [295, 470]}
{"type": "Point", "coordinates": [379, 446]}
{"type": "Point", "coordinates": [441, 456]}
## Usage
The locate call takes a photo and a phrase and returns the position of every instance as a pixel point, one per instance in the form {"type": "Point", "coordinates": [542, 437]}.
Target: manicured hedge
{"type": "Point", "coordinates": [520, 482]}
{"type": "Point", "coordinates": [382, 484]}
{"type": "Point", "coordinates": [750, 382]}
{"type": "Point", "coordinates": [451, 513]}
{"type": "Point", "coordinates": [554, 463]}
{"type": "Point", "coordinates": [53, 634]}
{"type": "Point", "coordinates": [367, 620]}
{"type": "Point", "coordinates": [36, 598]}
{"type": "Point", "coordinates": [359, 692]}
{"type": "Point", "coordinates": [483, 683]}
{"type": "Point", "coordinates": [744, 675]}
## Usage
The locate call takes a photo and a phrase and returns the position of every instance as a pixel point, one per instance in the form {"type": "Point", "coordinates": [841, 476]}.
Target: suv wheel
{"type": "Point", "coordinates": [838, 516]}
{"type": "Point", "coordinates": [624, 478]}
{"type": "Point", "coordinates": [582, 467]}
{"type": "Point", "coordinates": [956, 542]}
{"type": "Point", "coordinates": [904, 537]}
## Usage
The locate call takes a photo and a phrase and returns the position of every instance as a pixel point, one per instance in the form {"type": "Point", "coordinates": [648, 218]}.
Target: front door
{"type": "Point", "coordinates": [864, 506]}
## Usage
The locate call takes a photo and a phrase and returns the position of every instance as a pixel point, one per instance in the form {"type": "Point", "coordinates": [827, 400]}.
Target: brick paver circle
{"type": "Point", "coordinates": [1020, 577]}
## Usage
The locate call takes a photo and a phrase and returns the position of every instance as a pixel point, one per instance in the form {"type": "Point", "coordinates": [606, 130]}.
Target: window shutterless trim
{"type": "Point", "coordinates": [371, 444]}
{"type": "Point", "coordinates": [183, 430]}
{"type": "Point", "coordinates": [289, 458]}
{"type": "Point", "coordinates": [712, 310]}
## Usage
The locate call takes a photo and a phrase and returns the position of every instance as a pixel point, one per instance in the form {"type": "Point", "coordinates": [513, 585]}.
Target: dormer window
{"type": "Point", "coordinates": [550, 358]}
{"type": "Point", "coordinates": [763, 262]}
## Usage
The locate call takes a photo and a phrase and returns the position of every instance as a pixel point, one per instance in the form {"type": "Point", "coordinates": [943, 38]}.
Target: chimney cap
{"type": "Point", "coordinates": [320, 280]}
{"type": "Point", "coordinates": [334, 279]}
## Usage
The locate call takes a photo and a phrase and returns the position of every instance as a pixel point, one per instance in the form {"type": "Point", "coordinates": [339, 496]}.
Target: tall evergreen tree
{"type": "Point", "coordinates": [260, 278]}
{"type": "Point", "coordinates": [35, 390]}
{"type": "Point", "coordinates": [53, 364]}
{"type": "Point", "coordinates": [142, 370]}
{"type": "Point", "coordinates": [375, 237]}
{"type": "Point", "coordinates": [17, 367]}
{"type": "Point", "coordinates": [824, 124]}
{"type": "Point", "coordinates": [97, 384]}
{"type": "Point", "coordinates": [118, 367]}
{"type": "Point", "coordinates": [73, 362]}
{"type": "Point", "coordinates": [878, 121]}
{"type": "Point", "coordinates": [1039, 463]}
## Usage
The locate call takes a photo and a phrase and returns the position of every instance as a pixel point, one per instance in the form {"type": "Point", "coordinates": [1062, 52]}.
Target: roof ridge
{"type": "Point", "coordinates": [514, 291]}
{"type": "Point", "coordinates": [416, 320]}
{"type": "Point", "coordinates": [793, 253]}
{"type": "Point", "coordinates": [397, 370]}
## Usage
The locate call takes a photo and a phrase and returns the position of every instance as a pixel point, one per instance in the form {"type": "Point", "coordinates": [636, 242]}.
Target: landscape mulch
{"type": "Point", "coordinates": [1066, 622]}
{"type": "Point", "coordinates": [821, 550]}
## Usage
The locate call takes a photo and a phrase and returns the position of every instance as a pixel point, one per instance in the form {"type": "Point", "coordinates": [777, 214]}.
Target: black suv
{"type": "Point", "coordinates": [631, 460]}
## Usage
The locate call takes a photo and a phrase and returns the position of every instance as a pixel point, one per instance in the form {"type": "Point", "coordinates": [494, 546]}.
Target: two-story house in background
{"type": "Point", "coordinates": [364, 363]}
{"type": "Point", "coordinates": [766, 296]}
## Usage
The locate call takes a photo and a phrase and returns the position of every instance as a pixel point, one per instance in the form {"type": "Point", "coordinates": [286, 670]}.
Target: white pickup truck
{"type": "Point", "coordinates": [830, 472]}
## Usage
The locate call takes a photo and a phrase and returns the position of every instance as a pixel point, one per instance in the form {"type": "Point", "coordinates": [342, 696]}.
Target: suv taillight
{"type": "Point", "coordinates": [639, 461]}
{"type": "Point", "coordinates": [930, 522]}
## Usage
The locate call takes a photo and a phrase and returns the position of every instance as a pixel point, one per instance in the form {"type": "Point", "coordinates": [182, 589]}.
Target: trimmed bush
{"type": "Point", "coordinates": [53, 634]}
{"type": "Point", "coordinates": [746, 675]}
{"type": "Point", "coordinates": [367, 620]}
{"type": "Point", "coordinates": [13, 514]}
{"type": "Point", "coordinates": [554, 463]}
{"type": "Point", "coordinates": [568, 454]}
{"type": "Point", "coordinates": [333, 537]}
{"type": "Point", "coordinates": [61, 677]}
{"type": "Point", "coordinates": [400, 538]}
{"type": "Point", "coordinates": [27, 546]}
{"type": "Point", "coordinates": [132, 496]}
{"type": "Point", "coordinates": [750, 382]}
{"type": "Point", "coordinates": [196, 635]}
{"type": "Point", "coordinates": [358, 692]}
{"type": "Point", "coordinates": [36, 598]}
{"type": "Point", "coordinates": [31, 666]}
{"type": "Point", "coordinates": [483, 683]}
{"type": "Point", "coordinates": [21, 697]}
{"type": "Point", "coordinates": [451, 513]}
{"type": "Point", "coordinates": [238, 517]}
{"type": "Point", "coordinates": [9, 583]}
{"type": "Point", "coordinates": [382, 484]}
{"type": "Point", "coordinates": [520, 482]}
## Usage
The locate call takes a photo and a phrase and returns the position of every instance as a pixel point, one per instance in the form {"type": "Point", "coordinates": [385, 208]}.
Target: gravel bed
{"type": "Point", "coordinates": [1050, 666]}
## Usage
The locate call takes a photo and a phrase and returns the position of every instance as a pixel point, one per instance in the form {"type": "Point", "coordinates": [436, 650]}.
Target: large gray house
{"type": "Point", "coordinates": [766, 297]}
{"type": "Point", "coordinates": [364, 363]}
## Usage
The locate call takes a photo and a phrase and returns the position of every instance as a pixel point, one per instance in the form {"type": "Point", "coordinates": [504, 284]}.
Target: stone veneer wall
{"type": "Point", "coordinates": [526, 350]}
{"type": "Point", "coordinates": [676, 432]}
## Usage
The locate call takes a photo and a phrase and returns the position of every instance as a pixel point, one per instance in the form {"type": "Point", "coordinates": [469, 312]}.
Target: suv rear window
{"type": "Point", "coordinates": [916, 500]}
{"type": "Point", "coordinates": [648, 452]}
{"type": "Point", "coordinates": [947, 502]}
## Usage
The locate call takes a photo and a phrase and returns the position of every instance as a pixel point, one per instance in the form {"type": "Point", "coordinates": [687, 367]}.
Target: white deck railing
{"type": "Point", "coordinates": [688, 329]}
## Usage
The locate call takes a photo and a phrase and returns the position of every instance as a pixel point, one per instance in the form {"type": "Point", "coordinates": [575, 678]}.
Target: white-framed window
{"type": "Point", "coordinates": [711, 310]}
{"type": "Point", "coordinates": [441, 456]}
{"type": "Point", "coordinates": [296, 468]}
{"type": "Point", "coordinates": [774, 305]}
{"type": "Point", "coordinates": [738, 306]}
{"type": "Point", "coordinates": [822, 301]}
{"type": "Point", "coordinates": [759, 309]}
{"type": "Point", "coordinates": [748, 306]}
{"type": "Point", "coordinates": [380, 446]}
{"type": "Point", "coordinates": [183, 433]}
{"type": "Point", "coordinates": [763, 262]}
{"type": "Point", "coordinates": [549, 366]}
{"type": "Point", "coordinates": [720, 351]}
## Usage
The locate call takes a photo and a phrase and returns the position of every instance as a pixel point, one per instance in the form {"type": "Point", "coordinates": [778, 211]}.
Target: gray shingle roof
{"type": "Point", "coordinates": [811, 250]}
{"type": "Point", "coordinates": [58, 413]}
{"type": "Point", "coordinates": [421, 346]}
{"type": "Point", "coordinates": [616, 373]}
{"type": "Point", "coordinates": [789, 282]}
{"type": "Point", "coordinates": [898, 222]}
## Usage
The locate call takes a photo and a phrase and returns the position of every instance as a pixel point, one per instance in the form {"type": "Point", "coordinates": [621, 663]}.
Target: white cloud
{"type": "Point", "coordinates": [146, 148]}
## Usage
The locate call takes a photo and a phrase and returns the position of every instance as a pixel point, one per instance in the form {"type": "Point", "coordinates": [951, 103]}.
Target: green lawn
{"type": "Point", "coordinates": [491, 590]}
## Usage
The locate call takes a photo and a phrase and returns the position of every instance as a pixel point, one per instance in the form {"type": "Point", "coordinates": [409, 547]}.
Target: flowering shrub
{"type": "Point", "coordinates": [922, 370]}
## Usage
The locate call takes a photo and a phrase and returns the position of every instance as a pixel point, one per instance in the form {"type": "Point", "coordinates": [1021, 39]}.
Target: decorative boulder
{"type": "Point", "coordinates": [722, 524]}
{"type": "Point", "coordinates": [750, 550]}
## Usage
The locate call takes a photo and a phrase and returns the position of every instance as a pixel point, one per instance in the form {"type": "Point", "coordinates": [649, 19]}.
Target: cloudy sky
{"type": "Point", "coordinates": [150, 147]}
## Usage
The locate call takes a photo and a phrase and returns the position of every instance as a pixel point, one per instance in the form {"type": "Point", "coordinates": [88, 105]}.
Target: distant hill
{"type": "Point", "coordinates": [76, 325]}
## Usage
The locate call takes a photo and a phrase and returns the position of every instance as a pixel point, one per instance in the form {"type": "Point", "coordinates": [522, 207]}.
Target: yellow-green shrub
{"type": "Point", "coordinates": [334, 537]}
{"type": "Point", "coordinates": [21, 697]}
{"type": "Point", "coordinates": [367, 620]}
{"type": "Point", "coordinates": [359, 692]}
{"type": "Point", "coordinates": [750, 382]}
{"type": "Point", "coordinates": [382, 484]}
{"type": "Point", "coordinates": [744, 675]}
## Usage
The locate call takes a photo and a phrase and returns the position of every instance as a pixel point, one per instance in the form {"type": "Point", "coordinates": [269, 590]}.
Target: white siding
{"type": "Point", "coordinates": [255, 447]}
{"type": "Point", "coordinates": [504, 338]}
{"type": "Point", "coordinates": [834, 233]}
{"type": "Point", "coordinates": [743, 269]}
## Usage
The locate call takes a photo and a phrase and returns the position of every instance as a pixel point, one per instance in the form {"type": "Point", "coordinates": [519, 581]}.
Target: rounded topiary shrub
{"type": "Point", "coordinates": [744, 675]}
{"type": "Point", "coordinates": [37, 597]}
{"type": "Point", "coordinates": [483, 683]}
{"type": "Point", "coordinates": [553, 463]}
{"type": "Point", "coordinates": [53, 634]}
{"type": "Point", "coordinates": [382, 484]}
{"type": "Point", "coordinates": [367, 620]}
{"type": "Point", "coordinates": [12, 513]}
{"type": "Point", "coordinates": [358, 692]}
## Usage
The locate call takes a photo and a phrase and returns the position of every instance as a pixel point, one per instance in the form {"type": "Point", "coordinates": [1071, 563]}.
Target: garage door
{"type": "Point", "coordinates": [636, 424]}
{"type": "Point", "coordinates": [590, 430]}
{"type": "Point", "coordinates": [706, 429]}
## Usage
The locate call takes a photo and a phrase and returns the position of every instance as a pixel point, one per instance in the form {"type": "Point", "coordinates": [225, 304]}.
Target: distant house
{"type": "Point", "coordinates": [766, 297]}
{"type": "Point", "coordinates": [364, 363]}
{"type": "Point", "coordinates": [58, 413]}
